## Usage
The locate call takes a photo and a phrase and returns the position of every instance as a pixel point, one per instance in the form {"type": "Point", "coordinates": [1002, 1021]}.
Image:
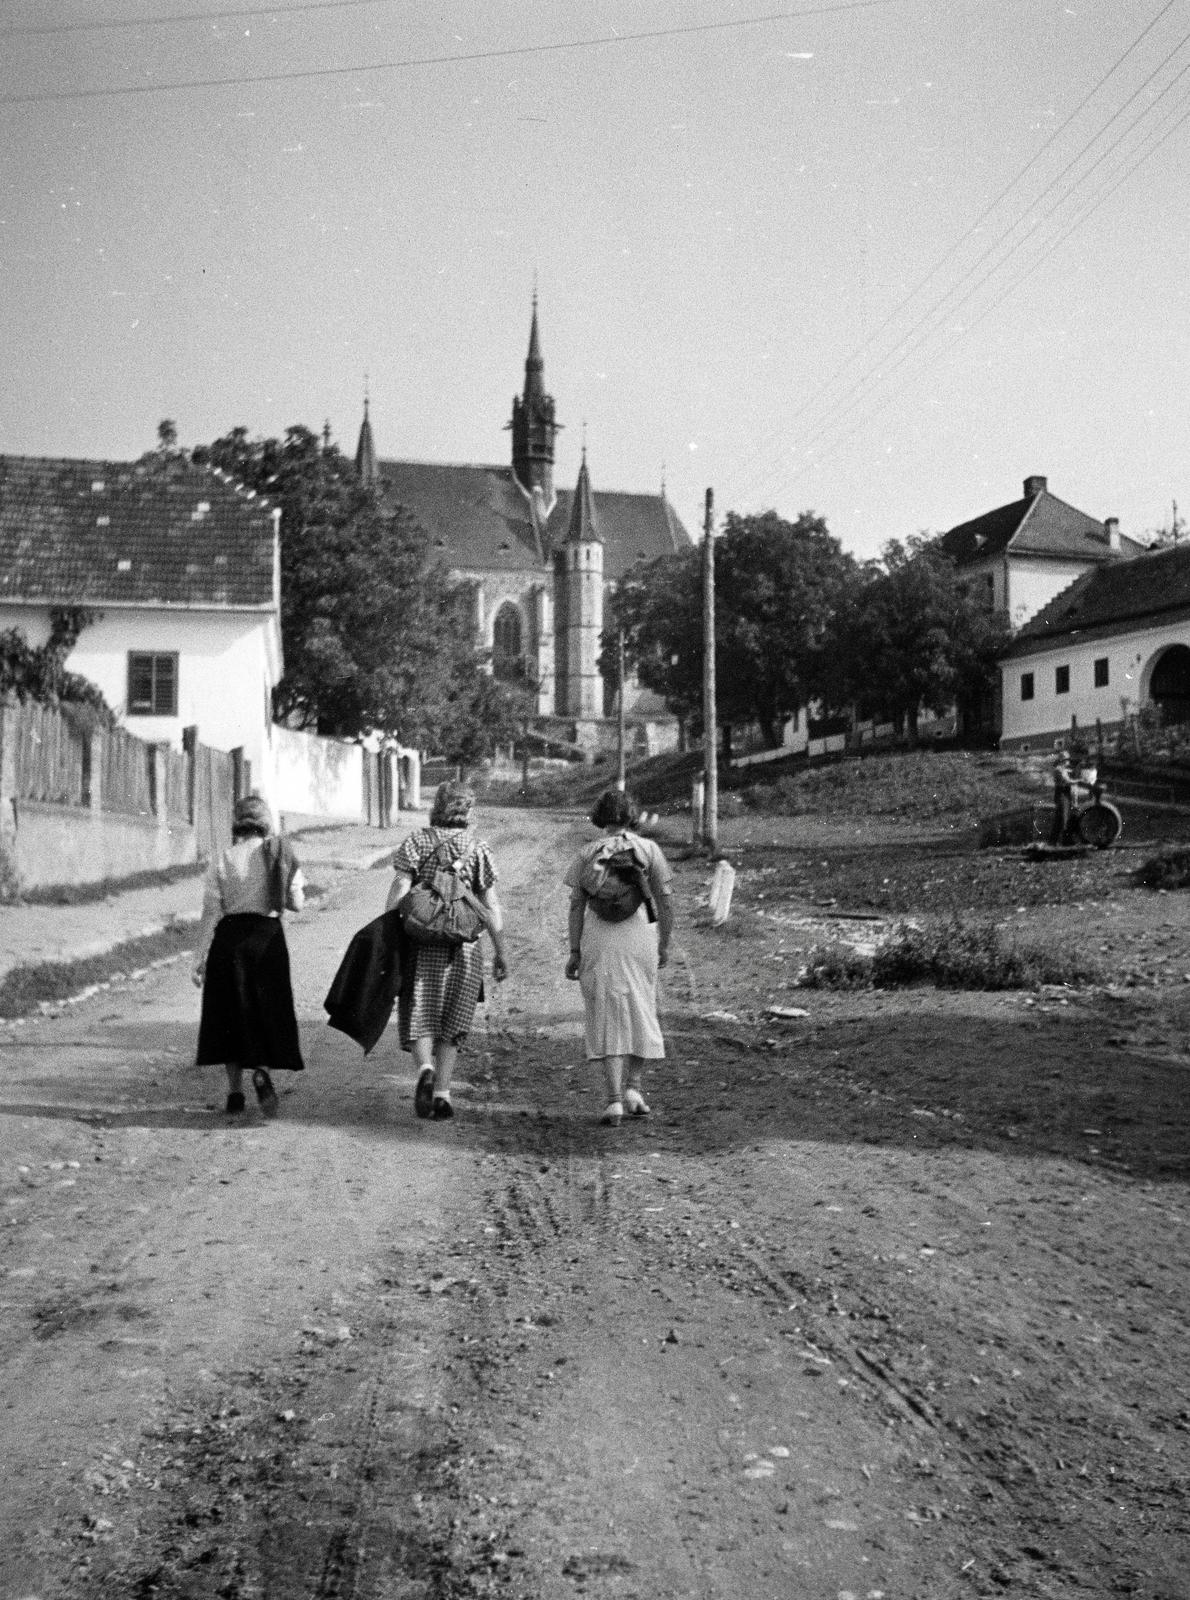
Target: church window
{"type": "Point", "coordinates": [508, 651]}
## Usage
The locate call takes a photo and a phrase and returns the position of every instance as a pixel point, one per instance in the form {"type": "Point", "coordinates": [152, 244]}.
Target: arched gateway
{"type": "Point", "coordinates": [1169, 683]}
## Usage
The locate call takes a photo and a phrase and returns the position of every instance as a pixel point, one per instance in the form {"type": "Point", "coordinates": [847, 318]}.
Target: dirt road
{"type": "Point", "coordinates": [885, 1300]}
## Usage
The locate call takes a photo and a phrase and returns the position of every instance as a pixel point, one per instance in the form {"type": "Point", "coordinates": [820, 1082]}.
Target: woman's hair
{"type": "Point", "coordinates": [615, 808]}
{"type": "Point", "coordinates": [453, 805]}
{"type": "Point", "coordinates": [251, 817]}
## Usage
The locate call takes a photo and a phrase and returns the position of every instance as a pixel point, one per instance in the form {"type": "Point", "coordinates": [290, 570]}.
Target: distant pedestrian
{"type": "Point", "coordinates": [248, 1022]}
{"type": "Point", "coordinates": [621, 920]}
{"type": "Point", "coordinates": [444, 985]}
{"type": "Point", "coordinates": [1063, 775]}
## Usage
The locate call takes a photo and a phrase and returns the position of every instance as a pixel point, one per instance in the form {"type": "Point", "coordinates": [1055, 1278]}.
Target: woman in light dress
{"type": "Point", "coordinates": [616, 963]}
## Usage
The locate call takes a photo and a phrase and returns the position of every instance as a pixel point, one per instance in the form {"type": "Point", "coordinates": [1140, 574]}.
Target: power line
{"type": "Point", "coordinates": [861, 350]}
{"type": "Point", "coordinates": [503, 54]}
{"type": "Point", "coordinates": [34, 29]}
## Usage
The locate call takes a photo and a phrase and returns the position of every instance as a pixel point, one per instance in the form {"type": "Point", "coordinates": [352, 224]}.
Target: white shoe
{"type": "Point", "coordinates": [611, 1118]}
{"type": "Point", "coordinates": [634, 1103]}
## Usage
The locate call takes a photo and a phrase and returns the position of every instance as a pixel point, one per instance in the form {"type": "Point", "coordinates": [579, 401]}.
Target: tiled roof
{"type": "Point", "coordinates": [478, 519]}
{"type": "Point", "coordinates": [150, 532]}
{"type": "Point", "coordinates": [1038, 525]}
{"type": "Point", "coordinates": [1113, 599]}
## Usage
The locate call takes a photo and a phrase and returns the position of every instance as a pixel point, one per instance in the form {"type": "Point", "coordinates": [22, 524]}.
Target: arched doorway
{"type": "Point", "coordinates": [1169, 684]}
{"type": "Point", "coordinates": [508, 650]}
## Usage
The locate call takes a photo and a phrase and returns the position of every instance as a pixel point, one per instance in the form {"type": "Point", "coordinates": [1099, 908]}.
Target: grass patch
{"type": "Point", "coordinates": [955, 954]}
{"type": "Point", "coordinates": [916, 784]}
{"type": "Point", "coordinates": [1168, 870]}
{"type": "Point", "coordinates": [25, 989]}
{"type": "Point", "coordinates": [82, 894]}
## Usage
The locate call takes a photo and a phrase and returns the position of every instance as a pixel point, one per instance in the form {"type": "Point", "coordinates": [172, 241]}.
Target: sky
{"type": "Point", "coordinates": [876, 259]}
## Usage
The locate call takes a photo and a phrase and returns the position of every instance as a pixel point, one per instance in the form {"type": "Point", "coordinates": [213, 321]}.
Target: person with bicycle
{"type": "Point", "coordinates": [1063, 775]}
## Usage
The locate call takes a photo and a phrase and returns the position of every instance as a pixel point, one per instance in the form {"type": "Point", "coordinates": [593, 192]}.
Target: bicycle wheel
{"type": "Point", "coordinates": [1099, 824]}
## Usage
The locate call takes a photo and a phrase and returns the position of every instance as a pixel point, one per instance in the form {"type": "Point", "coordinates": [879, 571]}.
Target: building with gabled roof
{"type": "Point", "coordinates": [511, 534]}
{"type": "Point", "coordinates": [179, 568]}
{"type": "Point", "coordinates": [1116, 639]}
{"type": "Point", "coordinates": [1022, 554]}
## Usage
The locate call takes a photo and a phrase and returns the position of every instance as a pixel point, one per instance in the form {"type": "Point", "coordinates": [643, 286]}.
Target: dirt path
{"type": "Point", "coordinates": [887, 1300]}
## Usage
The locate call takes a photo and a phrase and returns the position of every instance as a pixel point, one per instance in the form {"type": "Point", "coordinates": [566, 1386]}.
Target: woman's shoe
{"type": "Point", "coordinates": [423, 1095]}
{"type": "Point", "coordinates": [235, 1103]}
{"type": "Point", "coordinates": [613, 1116]}
{"type": "Point", "coordinates": [634, 1103]}
{"type": "Point", "coordinates": [265, 1093]}
{"type": "Point", "coordinates": [442, 1108]}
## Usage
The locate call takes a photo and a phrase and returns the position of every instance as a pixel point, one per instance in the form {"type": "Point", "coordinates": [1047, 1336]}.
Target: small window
{"type": "Point", "coordinates": [1101, 673]}
{"type": "Point", "coordinates": [152, 684]}
{"type": "Point", "coordinates": [1026, 686]}
{"type": "Point", "coordinates": [1062, 680]}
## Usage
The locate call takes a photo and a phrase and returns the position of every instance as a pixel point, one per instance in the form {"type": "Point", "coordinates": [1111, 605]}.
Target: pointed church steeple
{"type": "Point", "coordinates": [533, 426]}
{"type": "Point", "coordinates": [584, 527]}
{"type": "Point", "coordinates": [365, 452]}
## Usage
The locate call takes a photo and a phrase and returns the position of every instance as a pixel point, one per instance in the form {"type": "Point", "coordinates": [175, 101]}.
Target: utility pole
{"type": "Point", "coordinates": [710, 830]}
{"type": "Point", "coordinates": [622, 770]}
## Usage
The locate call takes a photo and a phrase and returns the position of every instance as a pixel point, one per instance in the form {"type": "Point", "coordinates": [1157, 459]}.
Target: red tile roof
{"type": "Point", "coordinates": [150, 532]}
{"type": "Point", "coordinates": [1152, 588]}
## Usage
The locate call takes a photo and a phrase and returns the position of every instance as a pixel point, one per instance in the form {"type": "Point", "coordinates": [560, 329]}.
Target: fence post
{"type": "Point", "coordinates": [241, 773]}
{"type": "Point", "coordinates": [157, 783]}
{"type": "Point", "coordinates": [190, 751]}
{"type": "Point", "coordinates": [93, 776]}
{"type": "Point", "coordinates": [9, 878]}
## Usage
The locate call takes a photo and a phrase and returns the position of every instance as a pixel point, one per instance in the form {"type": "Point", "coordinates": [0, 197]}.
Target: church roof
{"type": "Point", "coordinates": [583, 525]}
{"type": "Point", "coordinates": [478, 518]}
{"type": "Point", "coordinates": [1151, 588]}
{"type": "Point", "coordinates": [1037, 525]}
{"type": "Point", "coordinates": [159, 531]}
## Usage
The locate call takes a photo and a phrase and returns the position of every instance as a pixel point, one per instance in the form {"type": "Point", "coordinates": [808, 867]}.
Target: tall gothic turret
{"type": "Point", "coordinates": [578, 608]}
{"type": "Point", "coordinates": [533, 426]}
{"type": "Point", "coordinates": [365, 453]}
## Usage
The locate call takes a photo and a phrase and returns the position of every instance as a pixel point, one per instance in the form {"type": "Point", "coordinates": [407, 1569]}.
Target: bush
{"type": "Point", "coordinates": [951, 955]}
{"type": "Point", "coordinates": [1169, 870]}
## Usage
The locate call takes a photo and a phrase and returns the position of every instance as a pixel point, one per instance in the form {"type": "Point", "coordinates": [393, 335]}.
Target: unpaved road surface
{"type": "Point", "coordinates": [884, 1300]}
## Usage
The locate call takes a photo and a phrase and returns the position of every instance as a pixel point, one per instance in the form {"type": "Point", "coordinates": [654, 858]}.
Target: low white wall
{"type": "Point", "coordinates": [57, 845]}
{"type": "Point", "coordinates": [316, 777]}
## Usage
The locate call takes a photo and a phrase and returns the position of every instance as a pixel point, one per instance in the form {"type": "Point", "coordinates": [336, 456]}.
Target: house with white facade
{"type": "Point", "coordinates": [1021, 555]}
{"type": "Point", "coordinates": [1116, 639]}
{"type": "Point", "coordinates": [179, 571]}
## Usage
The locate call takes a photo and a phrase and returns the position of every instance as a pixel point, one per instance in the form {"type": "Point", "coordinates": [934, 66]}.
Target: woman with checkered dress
{"type": "Point", "coordinates": [438, 999]}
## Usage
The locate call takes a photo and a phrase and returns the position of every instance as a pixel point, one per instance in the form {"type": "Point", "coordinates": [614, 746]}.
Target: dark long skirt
{"type": "Point", "coordinates": [247, 998]}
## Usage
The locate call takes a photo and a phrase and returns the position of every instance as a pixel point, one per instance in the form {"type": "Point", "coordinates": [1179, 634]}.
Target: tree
{"type": "Point", "coordinates": [778, 586]}
{"type": "Point", "coordinates": [913, 636]}
{"type": "Point", "coordinates": [39, 673]}
{"type": "Point", "coordinates": [375, 635]}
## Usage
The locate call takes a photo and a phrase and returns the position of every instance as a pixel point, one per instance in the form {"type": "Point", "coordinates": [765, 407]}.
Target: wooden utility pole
{"type": "Point", "coordinates": [622, 769]}
{"type": "Point", "coordinates": [710, 826]}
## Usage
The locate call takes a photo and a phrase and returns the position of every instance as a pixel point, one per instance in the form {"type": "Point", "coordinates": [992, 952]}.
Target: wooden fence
{"type": "Point", "coordinates": [58, 756]}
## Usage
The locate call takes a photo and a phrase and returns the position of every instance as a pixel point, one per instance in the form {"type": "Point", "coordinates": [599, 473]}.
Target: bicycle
{"type": "Point", "coordinates": [1093, 821]}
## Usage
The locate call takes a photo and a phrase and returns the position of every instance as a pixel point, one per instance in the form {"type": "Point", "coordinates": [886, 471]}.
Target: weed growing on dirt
{"type": "Point", "coordinates": [1169, 870]}
{"type": "Point", "coordinates": [81, 894]}
{"type": "Point", "coordinates": [23, 990]}
{"type": "Point", "coordinates": [913, 784]}
{"type": "Point", "coordinates": [955, 954]}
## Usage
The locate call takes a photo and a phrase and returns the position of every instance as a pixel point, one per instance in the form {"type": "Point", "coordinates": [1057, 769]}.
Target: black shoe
{"type": "Point", "coordinates": [442, 1108]}
{"type": "Point", "coordinates": [235, 1102]}
{"type": "Point", "coordinates": [265, 1092]}
{"type": "Point", "coordinates": [423, 1095]}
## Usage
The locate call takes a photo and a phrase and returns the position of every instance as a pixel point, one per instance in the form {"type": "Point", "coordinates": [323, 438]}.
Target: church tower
{"type": "Point", "coordinates": [578, 609]}
{"type": "Point", "coordinates": [365, 453]}
{"type": "Point", "coordinates": [533, 427]}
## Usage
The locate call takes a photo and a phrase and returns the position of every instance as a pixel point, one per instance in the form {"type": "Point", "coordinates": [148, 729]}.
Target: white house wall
{"type": "Point", "coordinates": [1130, 658]}
{"type": "Point", "coordinates": [228, 664]}
{"type": "Point", "coordinates": [1033, 584]}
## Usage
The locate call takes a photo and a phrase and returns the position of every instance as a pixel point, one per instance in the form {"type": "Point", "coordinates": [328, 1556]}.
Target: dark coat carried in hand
{"type": "Point", "coordinates": [365, 988]}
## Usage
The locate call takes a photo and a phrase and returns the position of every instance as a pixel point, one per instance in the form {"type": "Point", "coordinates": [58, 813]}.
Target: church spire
{"type": "Point", "coordinates": [584, 528]}
{"type": "Point", "coordinates": [533, 426]}
{"type": "Point", "coordinates": [365, 450]}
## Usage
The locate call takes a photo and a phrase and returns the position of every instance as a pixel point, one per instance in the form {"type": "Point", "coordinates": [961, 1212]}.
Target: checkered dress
{"type": "Point", "coordinates": [439, 1000]}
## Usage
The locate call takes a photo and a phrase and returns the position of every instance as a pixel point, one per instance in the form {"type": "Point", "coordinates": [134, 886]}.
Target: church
{"type": "Point", "coordinates": [540, 560]}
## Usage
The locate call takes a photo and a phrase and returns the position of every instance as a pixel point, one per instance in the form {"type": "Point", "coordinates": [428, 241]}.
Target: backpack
{"type": "Point", "coordinates": [615, 882]}
{"type": "Point", "coordinates": [439, 908]}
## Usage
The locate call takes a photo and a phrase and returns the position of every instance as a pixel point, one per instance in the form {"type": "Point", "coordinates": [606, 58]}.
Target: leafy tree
{"type": "Point", "coordinates": [914, 636]}
{"type": "Point", "coordinates": [39, 673]}
{"type": "Point", "coordinates": [778, 586]}
{"type": "Point", "coordinates": [374, 634]}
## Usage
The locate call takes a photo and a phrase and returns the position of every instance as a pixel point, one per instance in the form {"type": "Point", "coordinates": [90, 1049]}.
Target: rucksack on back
{"type": "Point", "coordinates": [440, 909]}
{"type": "Point", "coordinates": [615, 881]}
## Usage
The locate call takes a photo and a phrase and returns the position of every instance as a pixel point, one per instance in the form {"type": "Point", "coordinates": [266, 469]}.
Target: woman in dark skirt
{"type": "Point", "coordinates": [248, 1022]}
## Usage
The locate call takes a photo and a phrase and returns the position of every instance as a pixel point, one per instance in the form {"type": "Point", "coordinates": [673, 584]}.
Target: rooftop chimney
{"type": "Point", "coordinates": [1111, 526]}
{"type": "Point", "coordinates": [1034, 485]}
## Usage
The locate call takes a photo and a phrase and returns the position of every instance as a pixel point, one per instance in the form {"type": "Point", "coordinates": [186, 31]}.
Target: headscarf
{"type": "Point", "coordinates": [252, 815]}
